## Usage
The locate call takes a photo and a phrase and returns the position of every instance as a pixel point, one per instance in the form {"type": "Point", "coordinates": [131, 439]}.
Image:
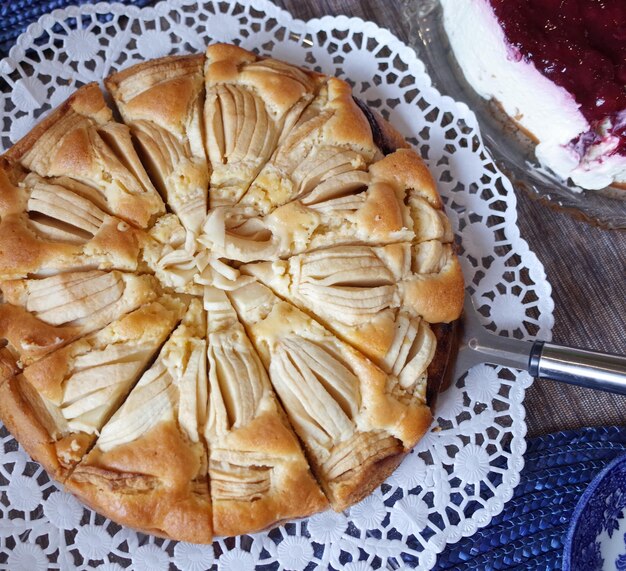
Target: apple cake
{"type": "Point", "coordinates": [228, 306]}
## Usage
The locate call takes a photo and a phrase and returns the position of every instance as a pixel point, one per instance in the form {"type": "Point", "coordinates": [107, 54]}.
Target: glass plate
{"type": "Point", "coordinates": [512, 149]}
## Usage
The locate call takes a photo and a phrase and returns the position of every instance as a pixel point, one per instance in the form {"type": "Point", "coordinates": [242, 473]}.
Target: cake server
{"type": "Point", "coordinates": [602, 371]}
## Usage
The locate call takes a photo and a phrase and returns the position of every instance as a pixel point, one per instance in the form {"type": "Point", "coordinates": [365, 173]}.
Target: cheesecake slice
{"type": "Point", "coordinates": [558, 70]}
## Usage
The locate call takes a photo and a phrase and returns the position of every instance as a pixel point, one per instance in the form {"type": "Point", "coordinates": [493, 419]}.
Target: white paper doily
{"type": "Point", "coordinates": [457, 478]}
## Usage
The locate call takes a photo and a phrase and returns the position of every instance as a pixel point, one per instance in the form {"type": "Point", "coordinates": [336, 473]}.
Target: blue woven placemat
{"type": "Point", "coordinates": [16, 15]}
{"type": "Point", "coordinates": [530, 531]}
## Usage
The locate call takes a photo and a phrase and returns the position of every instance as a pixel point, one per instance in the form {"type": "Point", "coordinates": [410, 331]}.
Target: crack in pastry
{"type": "Point", "coordinates": [374, 207]}
{"type": "Point", "coordinates": [47, 228]}
{"type": "Point", "coordinates": [352, 284]}
{"type": "Point", "coordinates": [332, 137]}
{"type": "Point", "coordinates": [58, 404]}
{"type": "Point", "coordinates": [162, 102]}
{"type": "Point", "coordinates": [358, 209]}
{"type": "Point", "coordinates": [148, 468]}
{"type": "Point", "coordinates": [386, 137]}
{"type": "Point", "coordinates": [379, 299]}
{"type": "Point", "coordinates": [80, 140]}
{"type": "Point", "coordinates": [251, 103]}
{"type": "Point", "coordinates": [342, 406]}
{"type": "Point", "coordinates": [41, 315]}
{"type": "Point", "coordinates": [258, 473]}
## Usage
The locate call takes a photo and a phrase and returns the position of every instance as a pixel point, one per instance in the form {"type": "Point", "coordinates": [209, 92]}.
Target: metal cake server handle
{"type": "Point", "coordinates": [602, 371]}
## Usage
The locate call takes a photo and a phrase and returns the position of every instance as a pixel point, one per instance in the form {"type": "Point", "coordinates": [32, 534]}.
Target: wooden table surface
{"type": "Point", "coordinates": [585, 265]}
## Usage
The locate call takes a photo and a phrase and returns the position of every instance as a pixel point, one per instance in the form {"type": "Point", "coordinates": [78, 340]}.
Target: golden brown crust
{"type": "Point", "coordinates": [294, 492]}
{"type": "Point", "coordinates": [226, 63]}
{"type": "Point", "coordinates": [405, 420]}
{"type": "Point", "coordinates": [12, 200]}
{"type": "Point", "coordinates": [224, 60]}
{"type": "Point", "coordinates": [351, 290]}
{"type": "Point", "coordinates": [408, 171]}
{"type": "Point", "coordinates": [438, 298]}
{"type": "Point", "coordinates": [330, 137]}
{"type": "Point", "coordinates": [377, 423]}
{"type": "Point", "coordinates": [161, 101]}
{"type": "Point", "coordinates": [27, 400]}
{"type": "Point", "coordinates": [251, 105]}
{"type": "Point", "coordinates": [148, 325]}
{"type": "Point", "coordinates": [8, 364]}
{"type": "Point", "coordinates": [381, 216]}
{"type": "Point", "coordinates": [148, 468]}
{"type": "Point", "coordinates": [374, 337]}
{"type": "Point", "coordinates": [158, 90]}
{"type": "Point", "coordinates": [19, 251]}
{"type": "Point", "coordinates": [348, 126]}
{"type": "Point", "coordinates": [30, 337]}
{"type": "Point", "coordinates": [258, 472]}
{"type": "Point", "coordinates": [24, 414]}
{"type": "Point", "coordinates": [150, 483]}
{"type": "Point", "coordinates": [152, 72]}
{"type": "Point", "coordinates": [29, 245]}
{"type": "Point", "coordinates": [87, 101]}
{"type": "Point", "coordinates": [22, 252]}
{"type": "Point", "coordinates": [24, 423]}
{"type": "Point", "coordinates": [394, 201]}
{"type": "Point", "coordinates": [47, 375]}
{"type": "Point", "coordinates": [80, 140]}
